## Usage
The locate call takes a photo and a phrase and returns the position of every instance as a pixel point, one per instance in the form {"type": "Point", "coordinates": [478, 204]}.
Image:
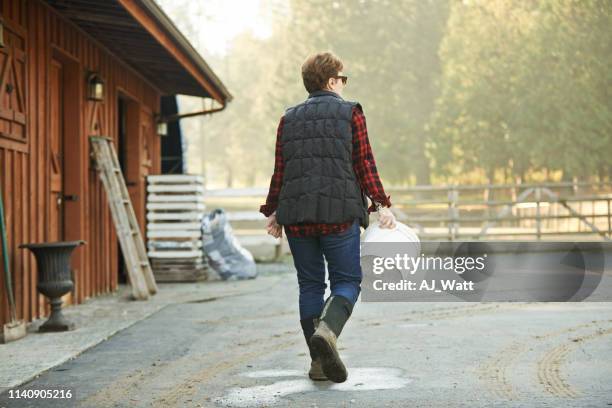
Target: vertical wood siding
{"type": "Point", "coordinates": [24, 166]}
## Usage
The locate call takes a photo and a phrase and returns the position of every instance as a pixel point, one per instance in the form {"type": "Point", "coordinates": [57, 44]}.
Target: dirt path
{"type": "Point", "coordinates": [248, 351]}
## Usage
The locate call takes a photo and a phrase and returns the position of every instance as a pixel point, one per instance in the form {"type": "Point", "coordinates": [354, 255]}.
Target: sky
{"type": "Point", "coordinates": [210, 25]}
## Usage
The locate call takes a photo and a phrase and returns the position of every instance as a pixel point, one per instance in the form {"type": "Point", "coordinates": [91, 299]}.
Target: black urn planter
{"type": "Point", "coordinates": [54, 280]}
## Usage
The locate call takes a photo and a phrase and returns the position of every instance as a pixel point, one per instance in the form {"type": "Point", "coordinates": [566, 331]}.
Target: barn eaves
{"type": "Point", "coordinates": [142, 35]}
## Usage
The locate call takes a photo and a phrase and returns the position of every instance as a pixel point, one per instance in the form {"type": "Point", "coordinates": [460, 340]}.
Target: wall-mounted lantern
{"type": "Point", "coordinates": [1, 33]}
{"type": "Point", "coordinates": [162, 128]}
{"type": "Point", "coordinates": [95, 87]}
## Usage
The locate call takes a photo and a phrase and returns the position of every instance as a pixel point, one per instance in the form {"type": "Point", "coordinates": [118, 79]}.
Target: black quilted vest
{"type": "Point", "coordinates": [319, 183]}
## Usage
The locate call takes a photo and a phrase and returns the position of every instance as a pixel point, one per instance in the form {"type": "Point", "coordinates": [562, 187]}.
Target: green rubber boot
{"type": "Point", "coordinates": [336, 311]}
{"type": "Point", "coordinates": [316, 368]}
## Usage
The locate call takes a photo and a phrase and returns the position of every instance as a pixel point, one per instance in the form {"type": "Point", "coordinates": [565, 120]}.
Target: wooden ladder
{"type": "Point", "coordinates": [132, 245]}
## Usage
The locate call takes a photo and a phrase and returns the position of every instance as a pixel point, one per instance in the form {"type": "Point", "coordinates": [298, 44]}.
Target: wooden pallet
{"type": "Point", "coordinates": [132, 245]}
{"type": "Point", "coordinates": [175, 208]}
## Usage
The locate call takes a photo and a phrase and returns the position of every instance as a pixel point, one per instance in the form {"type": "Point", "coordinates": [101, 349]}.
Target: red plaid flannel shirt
{"type": "Point", "coordinates": [365, 169]}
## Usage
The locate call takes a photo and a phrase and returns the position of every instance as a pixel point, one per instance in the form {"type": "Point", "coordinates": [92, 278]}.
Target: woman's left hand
{"type": "Point", "coordinates": [273, 227]}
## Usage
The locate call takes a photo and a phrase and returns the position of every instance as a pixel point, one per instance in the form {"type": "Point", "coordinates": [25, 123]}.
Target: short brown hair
{"type": "Point", "coordinates": [318, 68]}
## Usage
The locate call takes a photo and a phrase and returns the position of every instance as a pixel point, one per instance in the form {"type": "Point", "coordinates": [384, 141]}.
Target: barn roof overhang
{"type": "Point", "coordinates": [142, 35]}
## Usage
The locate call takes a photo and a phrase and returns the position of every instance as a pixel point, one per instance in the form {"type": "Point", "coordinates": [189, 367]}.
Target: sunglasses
{"type": "Point", "coordinates": [344, 78]}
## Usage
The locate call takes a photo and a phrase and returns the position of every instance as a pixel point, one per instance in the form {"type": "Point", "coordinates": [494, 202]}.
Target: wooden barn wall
{"type": "Point", "coordinates": [25, 164]}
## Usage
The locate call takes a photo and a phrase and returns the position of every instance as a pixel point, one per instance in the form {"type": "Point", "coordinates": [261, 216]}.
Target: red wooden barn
{"type": "Point", "coordinates": [51, 54]}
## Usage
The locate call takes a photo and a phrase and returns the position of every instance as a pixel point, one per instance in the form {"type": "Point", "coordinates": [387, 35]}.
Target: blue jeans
{"type": "Point", "coordinates": [342, 252]}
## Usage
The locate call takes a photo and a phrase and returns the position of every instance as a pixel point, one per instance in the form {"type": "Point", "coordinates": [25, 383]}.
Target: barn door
{"type": "Point", "coordinates": [56, 151]}
{"type": "Point", "coordinates": [12, 85]}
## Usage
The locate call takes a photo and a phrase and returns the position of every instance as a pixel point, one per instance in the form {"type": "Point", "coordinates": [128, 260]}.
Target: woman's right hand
{"type": "Point", "coordinates": [386, 219]}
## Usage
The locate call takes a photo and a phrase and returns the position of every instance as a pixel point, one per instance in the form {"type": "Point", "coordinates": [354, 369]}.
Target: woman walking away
{"type": "Point", "coordinates": [323, 171]}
